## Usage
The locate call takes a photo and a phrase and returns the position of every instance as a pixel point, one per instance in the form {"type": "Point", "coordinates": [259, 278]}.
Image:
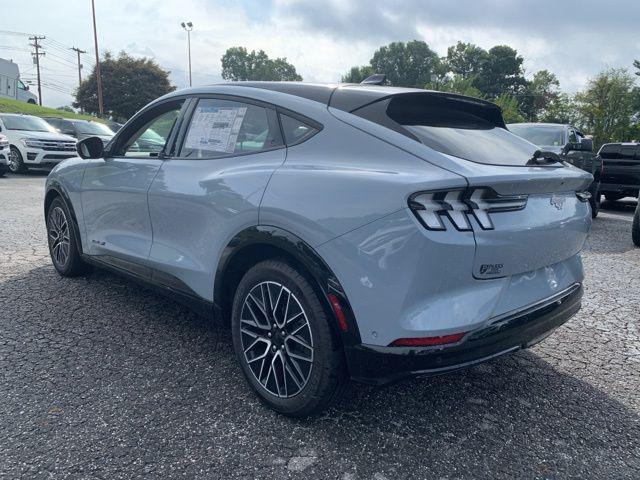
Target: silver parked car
{"type": "Point", "coordinates": [347, 232]}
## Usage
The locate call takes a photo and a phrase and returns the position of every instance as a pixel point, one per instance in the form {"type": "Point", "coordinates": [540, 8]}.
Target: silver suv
{"type": "Point", "coordinates": [346, 232]}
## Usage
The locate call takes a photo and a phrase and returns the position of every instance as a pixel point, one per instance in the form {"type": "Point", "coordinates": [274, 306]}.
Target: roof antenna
{"type": "Point", "coordinates": [375, 79]}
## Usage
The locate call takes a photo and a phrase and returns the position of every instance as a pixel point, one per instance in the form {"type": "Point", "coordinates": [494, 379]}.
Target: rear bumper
{"type": "Point", "coordinates": [504, 334]}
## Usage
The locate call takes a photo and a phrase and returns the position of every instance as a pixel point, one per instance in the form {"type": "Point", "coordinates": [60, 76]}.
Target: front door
{"type": "Point", "coordinates": [114, 189]}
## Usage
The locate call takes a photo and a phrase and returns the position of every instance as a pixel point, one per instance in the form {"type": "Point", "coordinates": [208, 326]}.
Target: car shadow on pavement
{"type": "Point", "coordinates": [98, 371]}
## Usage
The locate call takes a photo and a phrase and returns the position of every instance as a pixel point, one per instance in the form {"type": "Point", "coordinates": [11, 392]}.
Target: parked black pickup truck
{"type": "Point", "coordinates": [572, 147]}
{"type": "Point", "coordinates": [621, 177]}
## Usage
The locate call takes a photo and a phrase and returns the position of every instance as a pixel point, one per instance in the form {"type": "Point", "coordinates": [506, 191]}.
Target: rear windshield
{"type": "Point", "coordinates": [465, 129]}
{"type": "Point", "coordinates": [543, 135]}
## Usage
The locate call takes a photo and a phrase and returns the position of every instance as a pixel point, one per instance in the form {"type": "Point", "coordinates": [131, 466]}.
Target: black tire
{"type": "Point", "coordinates": [63, 247]}
{"type": "Point", "coordinates": [594, 201]}
{"type": "Point", "coordinates": [635, 229]}
{"type": "Point", "coordinates": [326, 377]}
{"type": "Point", "coordinates": [31, 101]}
{"type": "Point", "coordinates": [16, 163]}
{"type": "Point", "coordinates": [613, 197]}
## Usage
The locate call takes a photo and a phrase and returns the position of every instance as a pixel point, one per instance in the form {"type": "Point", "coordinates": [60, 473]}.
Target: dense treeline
{"type": "Point", "coordinates": [608, 108]}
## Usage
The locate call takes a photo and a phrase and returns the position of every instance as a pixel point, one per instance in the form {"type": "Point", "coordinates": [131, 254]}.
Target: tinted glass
{"type": "Point", "coordinates": [294, 130]}
{"type": "Point", "coordinates": [542, 135]}
{"type": "Point", "coordinates": [151, 139]}
{"type": "Point", "coordinates": [26, 122]}
{"type": "Point", "coordinates": [222, 127]}
{"type": "Point", "coordinates": [620, 152]}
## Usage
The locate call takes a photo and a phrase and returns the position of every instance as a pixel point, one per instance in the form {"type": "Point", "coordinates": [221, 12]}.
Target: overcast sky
{"type": "Point", "coordinates": [322, 38]}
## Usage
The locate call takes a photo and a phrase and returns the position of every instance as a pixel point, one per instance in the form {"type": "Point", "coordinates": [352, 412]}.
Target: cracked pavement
{"type": "Point", "coordinates": [102, 379]}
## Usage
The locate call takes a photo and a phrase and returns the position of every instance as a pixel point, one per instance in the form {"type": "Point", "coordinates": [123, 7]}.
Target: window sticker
{"type": "Point", "coordinates": [215, 129]}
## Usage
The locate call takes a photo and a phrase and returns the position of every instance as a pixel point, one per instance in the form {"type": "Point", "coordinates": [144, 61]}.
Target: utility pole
{"type": "Point", "coordinates": [36, 58]}
{"type": "Point", "coordinates": [188, 27]}
{"type": "Point", "coordinates": [95, 41]}
{"type": "Point", "coordinates": [78, 51]}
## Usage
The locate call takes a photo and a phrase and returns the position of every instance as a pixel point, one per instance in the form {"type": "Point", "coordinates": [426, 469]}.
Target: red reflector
{"type": "Point", "coordinates": [427, 341]}
{"type": "Point", "coordinates": [337, 310]}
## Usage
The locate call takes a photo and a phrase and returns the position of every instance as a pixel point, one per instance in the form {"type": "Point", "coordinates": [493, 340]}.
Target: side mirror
{"type": "Point", "coordinates": [586, 145]}
{"type": "Point", "coordinates": [26, 87]}
{"type": "Point", "coordinates": [91, 147]}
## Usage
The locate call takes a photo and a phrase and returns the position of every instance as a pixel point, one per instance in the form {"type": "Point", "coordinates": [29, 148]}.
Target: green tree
{"type": "Point", "coordinates": [128, 84]}
{"type": "Point", "coordinates": [509, 105]}
{"type": "Point", "coordinates": [501, 72]}
{"type": "Point", "coordinates": [465, 59]}
{"type": "Point", "coordinates": [239, 65]}
{"type": "Point", "coordinates": [606, 107]}
{"type": "Point", "coordinates": [636, 64]}
{"type": "Point", "coordinates": [357, 74]}
{"type": "Point", "coordinates": [407, 64]}
{"type": "Point", "coordinates": [539, 95]}
{"type": "Point", "coordinates": [457, 84]}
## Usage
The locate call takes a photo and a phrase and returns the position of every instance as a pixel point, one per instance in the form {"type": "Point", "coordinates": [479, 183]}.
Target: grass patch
{"type": "Point", "coordinates": [8, 105]}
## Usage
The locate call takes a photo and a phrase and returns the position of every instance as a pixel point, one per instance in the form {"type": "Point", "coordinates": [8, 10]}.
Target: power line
{"type": "Point", "coordinates": [78, 51]}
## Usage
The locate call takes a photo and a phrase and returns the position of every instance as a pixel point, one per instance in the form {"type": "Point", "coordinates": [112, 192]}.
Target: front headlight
{"type": "Point", "coordinates": [31, 142]}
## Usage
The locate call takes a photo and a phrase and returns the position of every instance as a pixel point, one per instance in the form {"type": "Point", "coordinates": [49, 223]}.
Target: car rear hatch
{"type": "Point", "coordinates": [525, 214]}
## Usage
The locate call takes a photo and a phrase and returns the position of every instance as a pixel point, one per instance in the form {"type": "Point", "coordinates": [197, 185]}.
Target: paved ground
{"type": "Point", "coordinates": [100, 379]}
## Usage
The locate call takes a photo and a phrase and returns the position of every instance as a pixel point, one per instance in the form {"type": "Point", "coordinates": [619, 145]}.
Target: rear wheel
{"type": "Point", "coordinates": [283, 341]}
{"type": "Point", "coordinates": [613, 197]}
{"type": "Point", "coordinates": [635, 229]}
{"type": "Point", "coordinates": [63, 245]}
{"type": "Point", "coordinates": [16, 163]}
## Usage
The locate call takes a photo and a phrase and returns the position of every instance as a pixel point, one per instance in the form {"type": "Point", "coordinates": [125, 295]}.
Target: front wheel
{"type": "Point", "coordinates": [3, 170]}
{"type": "Point", "coordinates": [284, 342]}
{"type": "Point", "coordinates": [63, 245]}
{"type": "Point", "coordinates": [16, 163]}
{"type": "Point", "coordinates": [635, 229]}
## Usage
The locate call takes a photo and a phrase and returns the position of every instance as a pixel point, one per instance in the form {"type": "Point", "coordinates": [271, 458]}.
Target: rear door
{"type": "Point", "coordinates": [114, 189]}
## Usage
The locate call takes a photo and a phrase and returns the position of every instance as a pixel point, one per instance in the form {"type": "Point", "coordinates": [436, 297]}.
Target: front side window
{"type": "Point", "coordinates": [573, 138]}
{"type": "Point", "coordinates": [93, 128]}
{"type": "Point", "coordinates": [224, 127]}
{"type": "Point", "coordinates": [152, 137]}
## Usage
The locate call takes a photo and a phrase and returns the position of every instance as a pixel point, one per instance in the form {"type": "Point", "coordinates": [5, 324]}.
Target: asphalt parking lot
{"type": "Point", "coordinates": [101, 379]}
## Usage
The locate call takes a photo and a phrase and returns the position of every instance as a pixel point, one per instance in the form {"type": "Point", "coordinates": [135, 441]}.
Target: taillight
{"type": "Point", "coordinates": [460, 205]}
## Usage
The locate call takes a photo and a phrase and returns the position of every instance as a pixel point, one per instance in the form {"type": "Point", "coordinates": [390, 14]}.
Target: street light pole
{"type": "Point", "coordinates": [188, 27]}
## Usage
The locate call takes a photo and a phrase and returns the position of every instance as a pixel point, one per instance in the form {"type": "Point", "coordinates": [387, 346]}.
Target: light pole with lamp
{"type": "Point", "coordinates": [188, 27]}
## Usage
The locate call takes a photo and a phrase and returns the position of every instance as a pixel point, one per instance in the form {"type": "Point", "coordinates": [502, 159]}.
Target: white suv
{"type": "Point", "coordinates": [4, 154]}
{"type": "Point", "coordinates": [34, 143]}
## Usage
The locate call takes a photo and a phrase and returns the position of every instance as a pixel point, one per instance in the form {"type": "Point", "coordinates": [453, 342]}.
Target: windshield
{"type": "Point", "coordinates": [541, 135]}
{"type": "Point", "coordinates": [93, 128]}
{"type": "Point", "coordinates": [26, 122]}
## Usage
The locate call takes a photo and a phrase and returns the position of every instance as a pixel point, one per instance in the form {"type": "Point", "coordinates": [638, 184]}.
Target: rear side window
{"type": "Point", "coordinates": [459, 127]}
{"type": "Point", "coordinates": [294, 130]}
{"type": "Point", "coordinates": [620, 152]}
{"type": "Point", "coordinates": [224, 127]}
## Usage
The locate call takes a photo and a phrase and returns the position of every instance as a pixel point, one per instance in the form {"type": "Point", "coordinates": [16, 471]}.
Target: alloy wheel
{"type": "Point", "coordinates": [14, 161]}
{"type": "Point", "coordinates": [59, 236]}
{"type": "Point", "coordinates": [276, 339]}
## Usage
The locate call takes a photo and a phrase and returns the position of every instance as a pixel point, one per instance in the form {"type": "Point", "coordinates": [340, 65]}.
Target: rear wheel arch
{"type": "Point", "coordinates": [256, 244]}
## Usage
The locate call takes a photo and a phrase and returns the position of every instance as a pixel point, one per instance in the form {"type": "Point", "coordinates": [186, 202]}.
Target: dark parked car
{"type": "Point", "coordinates": [621, 177]}
{"type": "Point", "coordinates": [570, 145]}
{"type": "Point", "coordinates": [115, 126]}
{"type": "Point", "coordinates": [81, 129]}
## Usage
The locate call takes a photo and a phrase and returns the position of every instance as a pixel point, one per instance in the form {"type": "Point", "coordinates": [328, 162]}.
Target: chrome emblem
{"type": "Point", "coordinates": [557, 201]}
